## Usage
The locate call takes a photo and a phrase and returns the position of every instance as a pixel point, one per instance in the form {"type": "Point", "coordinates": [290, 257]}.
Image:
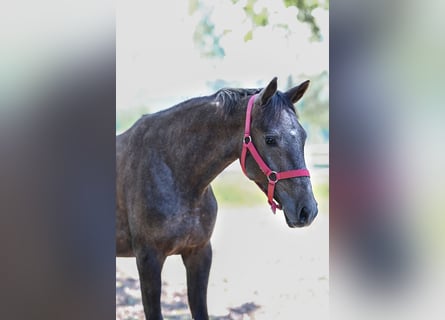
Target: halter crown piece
{"type": "Point", "coordinates": [272, 176]}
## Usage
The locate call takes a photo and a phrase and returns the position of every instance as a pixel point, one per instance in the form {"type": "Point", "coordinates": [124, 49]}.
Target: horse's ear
{"type": "Point", "coordinates": [297, 92]}
{"type": "Point", "coordinates": [267, 93]}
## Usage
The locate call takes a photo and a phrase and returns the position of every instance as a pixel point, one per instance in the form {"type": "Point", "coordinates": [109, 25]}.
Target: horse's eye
{"type": "Point", "coordinates": [270, 141]}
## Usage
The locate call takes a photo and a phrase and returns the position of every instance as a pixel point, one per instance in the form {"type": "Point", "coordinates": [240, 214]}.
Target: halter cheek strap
{"type": "Point", "coordinates": [272, 176]}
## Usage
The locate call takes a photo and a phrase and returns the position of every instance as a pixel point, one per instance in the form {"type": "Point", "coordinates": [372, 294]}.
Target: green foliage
{"type": "Point", "coordinates": [305, 8]}
{"type": "Point", "coordinates": [193, 6]}
{"type": "Point", "coordinates": [248, 36]}
{"type": "Point", "coordinates": [205, 36]}
{"type": "Point", "coordinates": [258, 19]}
{"type": "Point", "coordinates": [314, 107]}
{"type": "Point", "coordinates": [209, 42]}
{"type": "Point", "coordinates": [206, 39]}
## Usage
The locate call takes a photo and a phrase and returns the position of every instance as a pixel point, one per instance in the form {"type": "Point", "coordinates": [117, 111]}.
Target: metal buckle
{"type": "Point", "coordinates": [272, 177]}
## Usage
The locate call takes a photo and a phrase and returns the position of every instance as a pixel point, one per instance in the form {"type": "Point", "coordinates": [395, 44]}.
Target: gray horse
{"type": "Point", "coordinates": [166, 162]}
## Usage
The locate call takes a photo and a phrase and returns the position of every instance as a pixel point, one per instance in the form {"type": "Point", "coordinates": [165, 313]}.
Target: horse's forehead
{"type": "Point", "coordinates": [289, 121]}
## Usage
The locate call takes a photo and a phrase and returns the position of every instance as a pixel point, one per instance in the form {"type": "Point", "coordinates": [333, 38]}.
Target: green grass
{"type": "Point", "coordinates": [321, 193]}
{"type": "Point", "coordinates": [235, 190]}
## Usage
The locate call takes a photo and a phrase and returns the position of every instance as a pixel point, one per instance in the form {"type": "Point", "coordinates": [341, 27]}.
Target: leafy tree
{"type": "Point", "coordinates": [208, 41]}
{"type": "Point", "coordinates": [305, 8]}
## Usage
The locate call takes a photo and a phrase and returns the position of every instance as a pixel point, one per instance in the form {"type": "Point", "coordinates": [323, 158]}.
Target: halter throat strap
{"type": "Point", "coordinates": [272, 176]}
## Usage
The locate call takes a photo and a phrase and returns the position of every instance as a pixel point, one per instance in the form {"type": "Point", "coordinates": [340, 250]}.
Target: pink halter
{"type": "Point", "coordinates": [272, 176]}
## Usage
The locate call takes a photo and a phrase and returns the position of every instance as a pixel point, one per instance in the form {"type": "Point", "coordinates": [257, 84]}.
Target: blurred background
{"type": "Point", "coordinates": [387, 221]}
{"type": "Point", "coordinates": [184, 49]}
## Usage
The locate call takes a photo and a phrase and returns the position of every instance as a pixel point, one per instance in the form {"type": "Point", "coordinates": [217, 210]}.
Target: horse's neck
{"type": "Point", "coordinates": [215, 141]}
{"type": "Point", "coordinates": [201, 141]}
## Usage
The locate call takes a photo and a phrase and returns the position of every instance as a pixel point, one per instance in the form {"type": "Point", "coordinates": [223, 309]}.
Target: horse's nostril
{"type": "Point", "coordinates": [304, 215]}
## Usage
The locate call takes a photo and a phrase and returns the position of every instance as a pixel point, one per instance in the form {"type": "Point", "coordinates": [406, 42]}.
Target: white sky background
{"type": "Point", "coordinates": [158, 65]}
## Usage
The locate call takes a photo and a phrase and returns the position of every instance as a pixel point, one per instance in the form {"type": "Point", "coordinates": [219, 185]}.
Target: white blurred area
{"type": "Point", "coordinates": [158, 64]}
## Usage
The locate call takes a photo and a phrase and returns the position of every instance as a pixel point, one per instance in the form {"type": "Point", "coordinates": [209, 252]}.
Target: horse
{"type": "Point", "coordinates": [166, 161]}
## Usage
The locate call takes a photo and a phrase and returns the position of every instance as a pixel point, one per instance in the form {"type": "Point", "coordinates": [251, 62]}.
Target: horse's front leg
{"type": "Point", "coordinates": [150, 263]}
{"type": "Point", "coordinates": [197, 264]}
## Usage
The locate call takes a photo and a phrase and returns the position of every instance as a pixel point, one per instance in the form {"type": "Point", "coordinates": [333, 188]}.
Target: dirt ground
{"type": "Point", "coordinates": [261, 269]}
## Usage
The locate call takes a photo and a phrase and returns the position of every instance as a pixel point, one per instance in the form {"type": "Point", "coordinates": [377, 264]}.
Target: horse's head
{"type": "Point", "coordinates": [279, 139]}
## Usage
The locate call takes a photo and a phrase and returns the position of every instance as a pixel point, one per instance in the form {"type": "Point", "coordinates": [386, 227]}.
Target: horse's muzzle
{"type": "Point", "coordinates": [304, 218]}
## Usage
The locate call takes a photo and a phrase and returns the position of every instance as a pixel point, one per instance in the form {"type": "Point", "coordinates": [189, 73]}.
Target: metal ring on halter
{"type": "Point", "coordinates": [272, 177]}
{"type": "Point", "coordinates": [247, 139]}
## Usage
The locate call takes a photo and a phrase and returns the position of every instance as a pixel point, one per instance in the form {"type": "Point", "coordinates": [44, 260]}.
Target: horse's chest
{"type": "Point", "coordinates": [187, 232]}
{"type": "Point", "coordinates": [174, 225]}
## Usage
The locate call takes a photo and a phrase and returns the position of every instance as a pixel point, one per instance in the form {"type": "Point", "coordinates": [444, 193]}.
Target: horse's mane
{"type": "Point", "coordinates": [229, 99]}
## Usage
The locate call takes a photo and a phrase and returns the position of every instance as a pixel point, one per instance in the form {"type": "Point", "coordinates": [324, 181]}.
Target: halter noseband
{"type": "Point", "coordinates": [272, 176]}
